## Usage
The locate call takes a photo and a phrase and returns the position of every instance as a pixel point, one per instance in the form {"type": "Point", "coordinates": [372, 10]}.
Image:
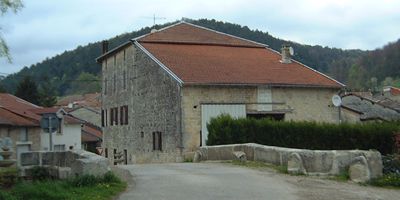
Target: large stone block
{"type": "Point", "coordinates": [295, 164]}
{"type": "Point", "coordinates": [359, 170]}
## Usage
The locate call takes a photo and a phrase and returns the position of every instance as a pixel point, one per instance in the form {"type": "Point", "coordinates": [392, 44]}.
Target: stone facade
{"type": "Point", "coordinates": [298, 104]}
{"type": "Point", "coordinates": [33, 139]}
{"type": "Point", "coordinates": [158, 103]}
{"type": "Point", "coordinates": [132, 79]}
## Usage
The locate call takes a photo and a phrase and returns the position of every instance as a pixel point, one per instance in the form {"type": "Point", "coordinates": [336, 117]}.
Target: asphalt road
{"type": "Point", "coordinates": [204, 181]}
{"type": "Point", "coordinates": [216, 181]}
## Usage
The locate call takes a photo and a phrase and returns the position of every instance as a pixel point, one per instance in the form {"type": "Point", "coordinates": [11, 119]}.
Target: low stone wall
{"type": "Point", "coordinates": [361, 165]}
{"type": "Point", "coordinates": [64, 164]}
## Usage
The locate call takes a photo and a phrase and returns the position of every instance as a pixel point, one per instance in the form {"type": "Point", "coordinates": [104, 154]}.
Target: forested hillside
{"type": "Point", "coordinates": [76, 71]}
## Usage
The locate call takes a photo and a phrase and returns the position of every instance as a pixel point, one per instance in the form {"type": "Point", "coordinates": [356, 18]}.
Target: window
{"type": "Point", "coordinates": [121, 115]}
{"type": "Point", "coordinates": [106, 117]}
{"type": "Point", "coordinates": [116, 115]}
{"type": "Point", "coordinates": [102, 118]}
{"type": "Point", "coordinates": [59, 147]}
{"type": "Point", "coordinates": [59, 128]}
{"type": "Point", "coordinates": [157, 141]}
{"type": "Point", "coordinates": [106, 152]}
{"type": "Point", "coordinates": [111, 116]}
{"type": "Point", "coordinates": [124, 55]}
{"type": "Point", "coordinates": [105, 86]}
{"type": "Point", "coordinates": [126, 114]}
{"type": "Point", "coordinates": [23, 134]}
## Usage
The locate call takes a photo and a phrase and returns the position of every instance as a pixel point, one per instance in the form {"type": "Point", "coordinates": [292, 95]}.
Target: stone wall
{"type": "Point", "coordinates": [311, 162]}
{"type": "Point", "coordinates": [65, 164]}
{"type": "Point", "coordinates": [152, 97]}
{"type": "Point", "coordinates": [311, 104]}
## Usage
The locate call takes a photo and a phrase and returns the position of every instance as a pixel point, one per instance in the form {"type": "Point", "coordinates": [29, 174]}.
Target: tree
{"type": "Point", "coordinates": [85, 83]}
{"type": "Point", "coordinates": [5, 5]}
{"type": "Point", "coordinates": [47, 93]}
{"type": "Point", "coordinates": [27, 90]}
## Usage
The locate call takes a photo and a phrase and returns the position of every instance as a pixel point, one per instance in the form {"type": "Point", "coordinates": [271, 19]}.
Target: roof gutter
{"type": "Point", "coordinates": [263, 84]}
{"type": "Point", "coordinates": [165, 68]}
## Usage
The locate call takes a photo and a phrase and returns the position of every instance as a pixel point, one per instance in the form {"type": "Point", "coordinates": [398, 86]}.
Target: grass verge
{"type": "Point", "coordinates": [388, 180]}
{"type": "Point", "coordinates": [81, 188]}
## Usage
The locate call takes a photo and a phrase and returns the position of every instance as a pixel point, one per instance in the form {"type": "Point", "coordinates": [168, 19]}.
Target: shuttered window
{"type": "Point", "coordinates": [157, 141]}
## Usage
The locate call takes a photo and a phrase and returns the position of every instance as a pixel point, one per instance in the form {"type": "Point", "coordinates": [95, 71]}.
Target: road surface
{"type": "Point", "coordinates": [214, 181]}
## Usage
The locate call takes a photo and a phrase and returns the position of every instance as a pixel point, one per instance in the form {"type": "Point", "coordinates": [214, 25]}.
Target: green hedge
{"type": "Point", "coordinates": [305, 135]}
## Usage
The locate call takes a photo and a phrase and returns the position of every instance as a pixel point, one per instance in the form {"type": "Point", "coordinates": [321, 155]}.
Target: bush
{"type": "Point", "coordinates": [40, 173]}
{"type": "Point", "coordinates": [91, 180]}
{"type": "Point", "coordinates": [392, 180]}
{"type": "Point", "coordinates": [391, 164]}
{"type": "Point", "coordinates": [110, 177]}
{"type": "Point", "coordinates": [8, 177]}
{"type": "Point", "coordinates": [305, 135]}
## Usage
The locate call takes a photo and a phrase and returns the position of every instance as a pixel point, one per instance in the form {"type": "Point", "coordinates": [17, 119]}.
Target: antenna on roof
{"type": "Point", "coordinates": [154, 17]}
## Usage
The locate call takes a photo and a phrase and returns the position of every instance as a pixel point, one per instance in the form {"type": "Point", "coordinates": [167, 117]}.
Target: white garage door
{"type": "Point", "coordinates": [209, 111]}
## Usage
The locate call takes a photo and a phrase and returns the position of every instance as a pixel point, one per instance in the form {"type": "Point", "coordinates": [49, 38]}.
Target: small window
{"type": "Point", "coordinates": [124, 55]}
{"type": "Point", "coordinates": [121, 115]}
{"type": "Point", "coordinates": [106, 117]}
{"type": "Point", "coordinates": [111, 116]}
{"type": "Point", "coordinates": [102, 118]}
{"type": "Point", "coordinates": [59, 147]}
{"type": "Point", "coordinates": [126, 114]}
{"type": "Point", "coordinates": [23, 134]}
{"type": "Point", "coordinates": [60, 127]}
{"type": "Point", "coordinates": [157, 141]}
{"type": "Point", "coordinates": [116, 115]}
{"type": "Point", "coordinates": [106, 152]}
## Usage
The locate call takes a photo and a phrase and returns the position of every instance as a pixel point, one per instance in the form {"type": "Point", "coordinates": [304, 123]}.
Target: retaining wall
{"type": "Point", "coordinates": [368, 164]}
{"type": "Point", "coordinates": [64, 164]}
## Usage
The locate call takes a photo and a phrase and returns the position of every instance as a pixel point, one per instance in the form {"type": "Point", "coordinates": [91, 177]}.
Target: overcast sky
{"type": "Point", "coordinates": [46, 28]}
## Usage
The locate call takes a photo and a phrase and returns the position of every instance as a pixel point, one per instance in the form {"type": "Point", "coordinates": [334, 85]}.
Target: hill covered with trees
{"type": "Point", "coordinates": [76, 71]}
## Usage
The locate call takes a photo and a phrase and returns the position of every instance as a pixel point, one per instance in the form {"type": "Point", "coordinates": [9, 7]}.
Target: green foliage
{"type": "Point", "coordinates": [47, 93]}
{"type": "Point", "coordinates": [391, 164]}
{"type": "Point", "coordinates": [96, 188]}
{"type": "Point", "coordinates": [387, 180]}
{"type": "Point", "coordinates": [27, 90]}
{"type": "Point", "coordinates": [303, 135]}
{"type": "Point", "coordinates": [85, 83]}
{"type": "Point", "coordinates": [8, 177]}
{"type": "Point", "coordinates": [68, 66]}
{"type": "Point", "coordinates": [40, 173]}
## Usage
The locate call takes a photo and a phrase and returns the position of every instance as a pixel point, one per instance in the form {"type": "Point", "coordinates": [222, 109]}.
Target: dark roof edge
{"type": "Point", "coordinates": [198, 43]}
{"type": "Point", "coordinates": [112, 52]}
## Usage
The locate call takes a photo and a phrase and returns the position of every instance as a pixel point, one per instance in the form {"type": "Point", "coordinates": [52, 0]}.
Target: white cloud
{"type": "Point", "coordinates": [47, 27]}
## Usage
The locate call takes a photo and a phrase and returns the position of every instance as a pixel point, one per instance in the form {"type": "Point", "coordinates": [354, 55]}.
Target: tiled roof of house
{"type": "Point", "coordinates": [90, 100]}
{"type": "Point", "coordinates": [91, 133]}
{"type": "Point", "coordinates": [9, 118]}
{"type": "Point", "coordinates": [201, 56]}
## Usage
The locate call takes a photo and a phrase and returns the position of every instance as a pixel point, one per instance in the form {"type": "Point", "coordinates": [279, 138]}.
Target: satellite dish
{"type": "Point", "coordinates": [291, 51]}
{"type": "Point", "coordinates": [336, 100]}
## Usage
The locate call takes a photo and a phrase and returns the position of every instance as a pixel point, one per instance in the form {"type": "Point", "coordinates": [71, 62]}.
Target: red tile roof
{"type": "Point", "coordinates": [91, 133]}
{"type": "Point", "coordinates": [201, 56]}
{"type": "Point", "coordinates": [9, 118]}
{"type": "Point", "coordinates": [185, 33]}
{"type": "Point", "coordinates": [17, 112]}
{"type": "Point", "coordinates": [90, 100]}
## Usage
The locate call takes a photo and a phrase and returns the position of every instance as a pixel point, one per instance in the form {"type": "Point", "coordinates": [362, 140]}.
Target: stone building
{"type": "Point", "coordinates": [160, 90]}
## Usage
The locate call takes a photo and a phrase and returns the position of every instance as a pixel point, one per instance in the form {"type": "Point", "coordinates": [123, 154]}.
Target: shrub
{"type": "Point", "coordinates": [305, 135]}
{"type": "Point", "coordinates": [40, 173]}
{"type": "Point", "coordinates": [392, 180]}
{"type": "Point", "coordinates": [8, 177]}
{"type": "Point", "coordinates": [84, 181]}
{"type": "Point", "coordinates": [391, 164]}
{"type": "Point", "coordinates": [110, 177]}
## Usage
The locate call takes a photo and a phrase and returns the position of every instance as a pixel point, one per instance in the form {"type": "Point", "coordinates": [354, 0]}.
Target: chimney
{"type": "Point", "coordinates": [104, 46]}
{"type": "Point", "coordinates": [286, 53]}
